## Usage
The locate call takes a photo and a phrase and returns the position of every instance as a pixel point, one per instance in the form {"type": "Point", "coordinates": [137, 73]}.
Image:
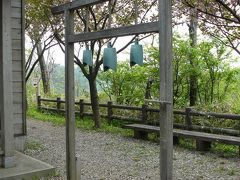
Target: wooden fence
{"type": "Point", "coordinates": [188, 114]}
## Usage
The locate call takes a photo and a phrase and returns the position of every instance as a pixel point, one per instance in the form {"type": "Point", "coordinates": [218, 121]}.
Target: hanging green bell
{"type": "Point", "coordinates": [136, 54]}
{"type": "Point", "coordinates": [110, 58]}
{"type": "Point", "coordinates": [87, 57]}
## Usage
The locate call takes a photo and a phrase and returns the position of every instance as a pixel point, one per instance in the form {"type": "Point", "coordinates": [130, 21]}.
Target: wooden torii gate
{"type": "Point", "coordinates": [164, 28]}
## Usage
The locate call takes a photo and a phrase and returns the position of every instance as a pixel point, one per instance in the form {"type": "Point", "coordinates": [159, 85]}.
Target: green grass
{"type": "Point", "coordinates": [84, 124]}
{"type": "Point", "coordinates": [56, 119]}
{"type": "Point", "coordinates": [187, 143]}
{"type": "Point", "coordinates": [222, 150]}
{"type": "Point", "coordinates": [33, 145]}
{"type": "Point", "coordinates": [231, 172]}
{"type": "Point", "coordinates": [225, 150]}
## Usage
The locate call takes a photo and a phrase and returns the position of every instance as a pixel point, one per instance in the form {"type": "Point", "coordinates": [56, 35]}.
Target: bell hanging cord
{"type": "Point", "coordinates": [136, 11]}
{"type": "Point", "coordinates": [87, 23]}
{"type": "Point", "coordinates": [87, 53]}
{"type": "Point", "coordinates": [136, 14]}
{"type": "Point", "coordinates": [136, 17]}
{"type": "Point", "coordinates": [110, 53]}
{"type": "Point", "coordinates": [110, 16]}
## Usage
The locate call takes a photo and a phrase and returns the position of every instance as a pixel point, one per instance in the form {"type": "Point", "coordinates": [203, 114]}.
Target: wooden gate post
{"type": "Point", "coordinates": [70, 97]}
{"type": "Point", "coordinates": [166, 89]}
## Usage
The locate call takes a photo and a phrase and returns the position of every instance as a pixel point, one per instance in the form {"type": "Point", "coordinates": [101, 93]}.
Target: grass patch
{"type": "Point", "coordinates": [222, 150]}
{"type": "Point", "coordinates": [187, 143]}
{"type": "Point", "coordinates": [231, 172]}
{"type": "Point", "coordinates": [56, 119]}
{"type": "Point", "coordinates": [33, 145]}
{"type": "Point", "coordinates": [84, 124]}
{"type": "Point", "coordinates": [225, 150]}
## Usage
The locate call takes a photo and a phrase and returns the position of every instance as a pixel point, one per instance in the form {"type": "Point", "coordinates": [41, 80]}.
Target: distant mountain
{"type": "Point", "coordinates": [58, 80]}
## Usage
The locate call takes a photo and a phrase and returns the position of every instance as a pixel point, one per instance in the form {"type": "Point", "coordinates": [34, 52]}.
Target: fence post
{"type": "Point", "coordinates": [188, 119]}
{"type": "Point", "coordinates": [109, 111]}
{"type": "Point", "coordinates": [144, 113]}
{"type": "Point", "coordinates": [58, 104]}
{"type": "Point", "coordinates": [39, 102]}
{"type": "Point", "coordinates": [81, 107]}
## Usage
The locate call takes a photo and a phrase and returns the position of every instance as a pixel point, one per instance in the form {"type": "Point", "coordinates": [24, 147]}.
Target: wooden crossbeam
{"type": "Point", "coordinates": [78, 4]}
{"type": "Point", "coordinates": [116, 32]}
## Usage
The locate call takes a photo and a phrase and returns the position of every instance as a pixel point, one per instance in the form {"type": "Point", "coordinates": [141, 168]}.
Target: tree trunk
{"type": "Point", "coordinates": [94, 101]}
{"type": "Point", "coordinates": [44, 70]}
{"type": "Point", "coordinates": [193, 41]}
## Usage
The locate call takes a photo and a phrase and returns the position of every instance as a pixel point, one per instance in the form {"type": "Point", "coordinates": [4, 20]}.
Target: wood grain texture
{"type": "Point", "coordinates": [70, 98]}
{"type": "Point", "coordinates": [166, 89]}
{"type": "Point", "coordinates": [225, 139]}
{"type": "Point", "coordinates": [75, 5]}
{"type": "Point", "coordinates": [116, 32]}
{"type": "Point", "coordinates": [16, 3]}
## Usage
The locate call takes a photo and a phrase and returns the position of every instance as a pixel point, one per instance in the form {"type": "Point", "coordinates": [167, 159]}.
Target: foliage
{"type": "Point", "coordinates": [212, 67]}
{"type": "Point", "coordinates": [126, 85]}
{"type": "Point", "coordinates": [217, 80]}
{"type": "Point", "coordinates": [38, 31]}
{"type": "Point", "coordinates": [217, 18]}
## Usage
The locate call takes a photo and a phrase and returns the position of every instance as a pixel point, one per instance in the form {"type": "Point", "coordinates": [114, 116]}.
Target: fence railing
{"type": "Point", "coordinates": [189, 113]}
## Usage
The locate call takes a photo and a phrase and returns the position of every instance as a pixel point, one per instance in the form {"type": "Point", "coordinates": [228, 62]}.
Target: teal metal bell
{"type": "Point", "coordinates": [87, 57]}
{"type": "Point", "coordinates": [136, 54]}
{"type": "Point", "coordinates": [110, 58]}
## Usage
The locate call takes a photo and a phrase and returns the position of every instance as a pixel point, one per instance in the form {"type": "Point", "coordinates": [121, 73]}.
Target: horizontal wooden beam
{"type": "Point", "coordinates": [75, 5]}
{"type": "Point", "coordinates": [116, 32]}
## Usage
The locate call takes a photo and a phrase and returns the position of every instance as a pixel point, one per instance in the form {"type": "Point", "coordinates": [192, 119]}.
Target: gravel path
{"type": "Point", "coordinates": [107, 156]}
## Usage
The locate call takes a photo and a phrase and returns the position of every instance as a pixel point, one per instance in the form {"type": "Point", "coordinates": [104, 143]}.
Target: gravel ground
{"type": "Point", "coordinates": [107, 156]}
